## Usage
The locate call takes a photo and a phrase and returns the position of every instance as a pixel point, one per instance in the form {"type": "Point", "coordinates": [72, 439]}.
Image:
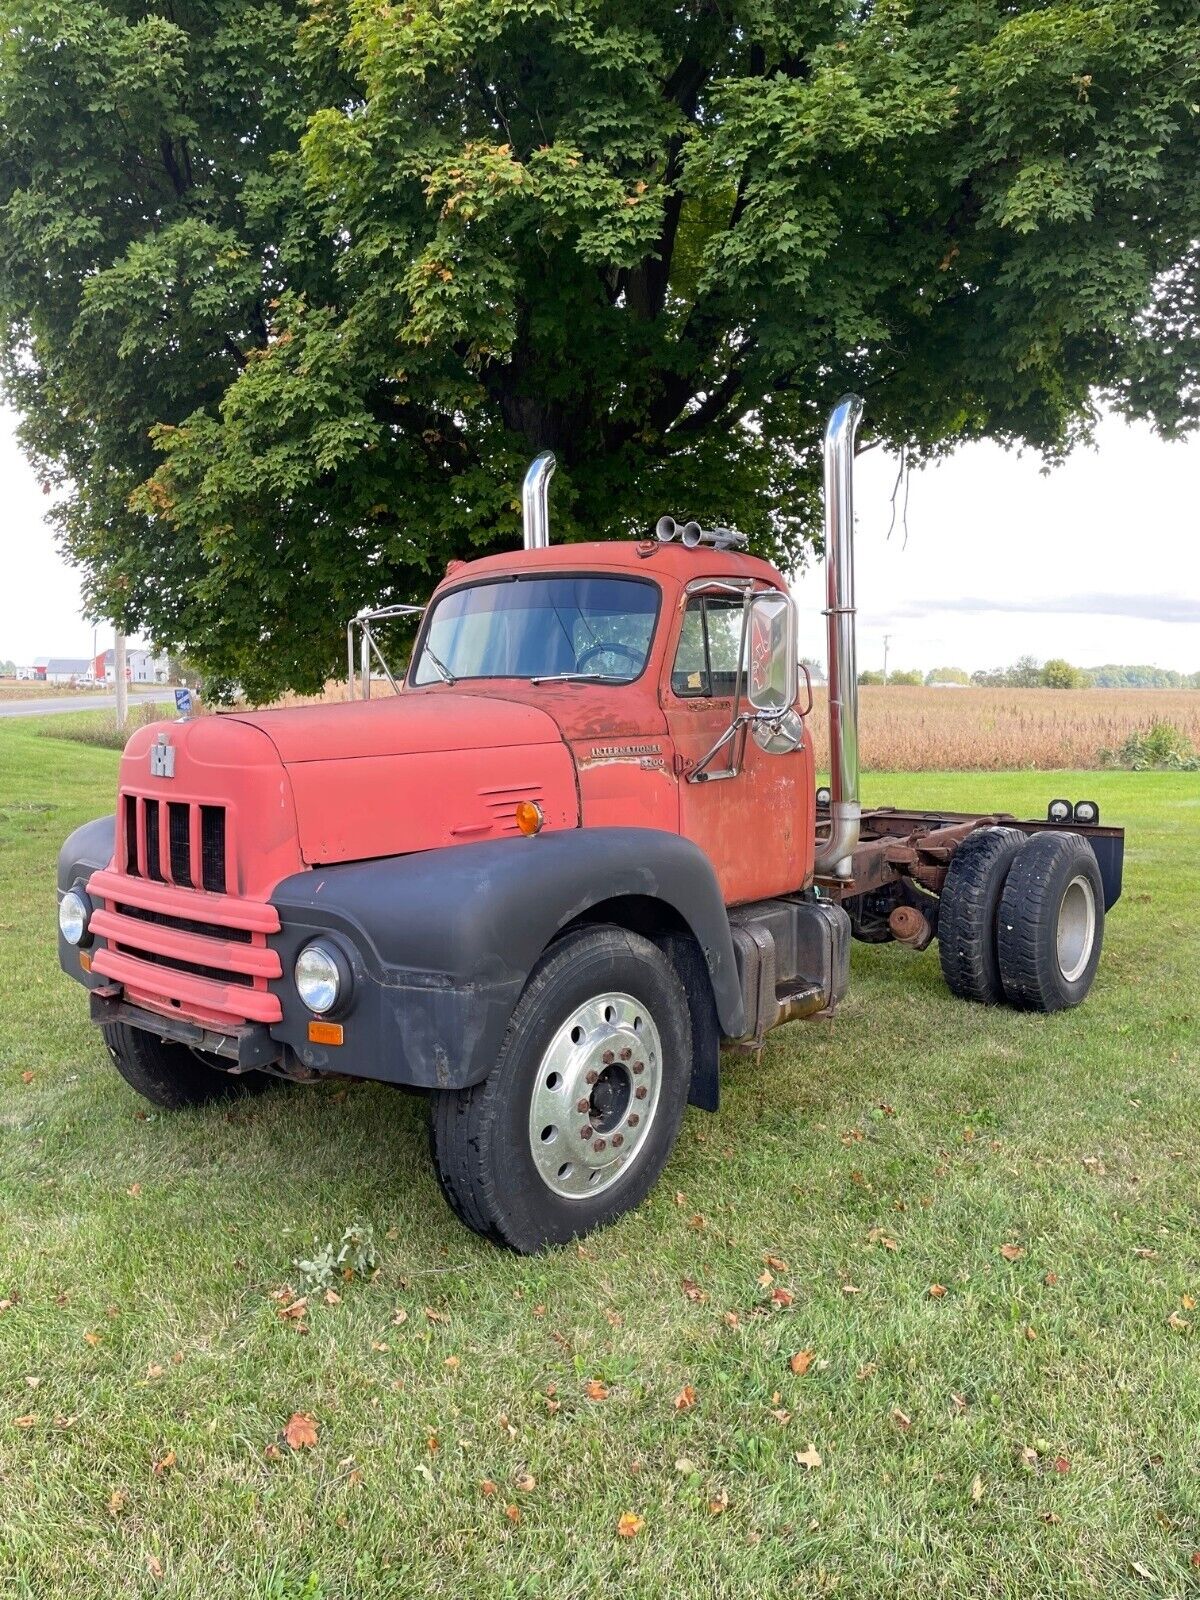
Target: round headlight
{"type": "Point", "coordinates": [1058, 811]}
{"type": "Point", "coordinates": [1087, 812]}
{"type": "Point", "coordinates": [73, 913]}
{"type": "Point", "coordinates": [318, 978]}
{"type": "Point", "coordinates": [824, 796]}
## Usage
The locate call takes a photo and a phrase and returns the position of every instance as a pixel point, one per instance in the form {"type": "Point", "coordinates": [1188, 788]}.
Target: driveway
{"type": "Point", "coordinates": [75, 702]}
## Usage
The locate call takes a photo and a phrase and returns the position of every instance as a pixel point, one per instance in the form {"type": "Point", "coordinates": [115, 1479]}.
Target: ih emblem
{"type": "Point", "coordinates": [162, 758]}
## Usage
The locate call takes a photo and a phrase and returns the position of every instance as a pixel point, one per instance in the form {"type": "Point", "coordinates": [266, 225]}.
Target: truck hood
{"type": "Point", "coordinates": [405, 773]}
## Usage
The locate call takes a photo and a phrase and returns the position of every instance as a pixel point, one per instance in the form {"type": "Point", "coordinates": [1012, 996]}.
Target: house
{"type": "Point", "coordinates": [60, 669]}
{"type": "Point", "coordinates": [141, 666]}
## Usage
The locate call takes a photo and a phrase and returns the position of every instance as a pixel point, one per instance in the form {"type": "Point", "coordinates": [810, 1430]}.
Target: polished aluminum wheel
{"type": "Point", "coordinates": [1076, 928]}
{"type": "Point", "coordinates": [595, 1096]}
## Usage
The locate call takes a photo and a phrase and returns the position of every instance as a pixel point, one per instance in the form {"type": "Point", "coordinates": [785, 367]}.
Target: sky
{"type": "Point", "coordinates": [1097, 561]}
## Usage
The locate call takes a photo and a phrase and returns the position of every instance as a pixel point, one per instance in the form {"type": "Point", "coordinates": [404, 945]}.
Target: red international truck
{"type": "Point", "coordinates": [576, 855]}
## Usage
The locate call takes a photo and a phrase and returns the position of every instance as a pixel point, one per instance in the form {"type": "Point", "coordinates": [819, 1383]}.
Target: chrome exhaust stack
{"type": "Point", "coordinates": [834, 854]}
{"type": "Point", "coordinates": [535, 501]}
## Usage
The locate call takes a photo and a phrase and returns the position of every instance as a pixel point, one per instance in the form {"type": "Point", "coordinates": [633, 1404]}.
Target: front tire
{"type": "Point", "coordinates": [577, 1118]}
{"type": "Point", "coordinates": [1051, 923]}
{"type": "Point", "coordinates": [171, 1075]}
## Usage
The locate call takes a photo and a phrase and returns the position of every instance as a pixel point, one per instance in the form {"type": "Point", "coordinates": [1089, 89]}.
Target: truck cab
{"type": "Point", "coordinates": [576, 853]}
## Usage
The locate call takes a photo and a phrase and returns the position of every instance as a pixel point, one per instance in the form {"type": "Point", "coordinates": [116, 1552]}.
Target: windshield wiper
{"type": "Point", "coordinates": [583, 677]}
{"type": "Point", "coordinates": [443, 670]}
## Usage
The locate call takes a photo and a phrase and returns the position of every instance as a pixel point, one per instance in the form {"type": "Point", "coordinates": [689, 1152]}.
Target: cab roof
{"type": "Point", "coordinates": [645, 558]}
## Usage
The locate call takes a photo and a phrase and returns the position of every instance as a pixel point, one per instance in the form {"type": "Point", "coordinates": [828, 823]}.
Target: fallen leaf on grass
{"type": "Point", "coordinates": [1011, 1252]}
{"type": "Point", "coordinates": [399, 1317]}
{"type": "Point", "coordinates": [65, 1422]}
{"type": "Point", "coordinates": [1188, 1302]}
{"type": "Point", "coordinates": [452, 1363]}
{"type": "Point", "coordinates": [433, 1315]}
{"type": "Point", "coordinates": [525, 1482]}
{"type": "Point", "coordinates": [1050, 1279]}
{"type": "Point", "coordinates": [685, 1466]}
{"type": "Point", "coordinates": [808, 1459]}
{"type": "Point", "coordinates": [1142, 1570]}
{"type": "Point", "coordinates": [731, 1319]}
{"type": "Point", "coordinates": [901, 1418]}
{"type": "Point", "coordinates": [93, 1339]}
{"type": "Point", "coordinates": [775, 1262]}
{"type": "Point", "coordinates": [1028, 1458]}
{"type": "Point", "coordinates": [26, 1422]}
{"type": "Point", "coordinates": [851, 1288]}
{"type": "Point", "coordinates": [487, 1488]}
{"type": "Point", "coordinates": [958, 1404]}
{"type": "Point", "coordinates": [1144, 1253]}
{"type": "Point", "coordinates": [867, 1370]}
{"type": "Point", "coordinates": [1031, 1334]}
{"type": "Point", "coordinates": [976, 1489]}
{"type": "Point", "coordinates": [295, 1310]}
{"type": "Point", "coordinates": [937, 1291]}
{"type": "Point", "coordinates": [117, 1501]}
{"type": "Point", "coordinates": [1180, 1324]}
{"type": "Point", "coordinates": [719, 1503]}
{"type": "Point", "coordinates": [513, 1513]}
{"type": "Point", "coordinates": [1062, 1465]}
{"type": "Point", "coordinates": [154, 1566]}
{"type": "Point", "coordinates": [27, 1077]}
{"type": "Point", "coordinates": [273, 1452]}
{"type": "Point", "coordinates": [629, 1524]}
{"type": "Point", "coordinates": [164, 1464]}
{"type": "Point", "coordinates": [595, 1390]}
{"type": "Point", "coordinates": [784, 1297]}
{"type": "Point", "coordinates": [686, 1398]}
{"type": "Point", "coordinates": [694, 1292]}
{"type": "Point", "coordinates": [332, 1297]}
{"type": "Point", "coordinates": [301, 1431]}
{"type": "Point", "coordinates": [134, 1189]}
{"type": "Point", "coordinates": [800, 1362]}
{"type": "Point", "coordinates": [1196, 1558]}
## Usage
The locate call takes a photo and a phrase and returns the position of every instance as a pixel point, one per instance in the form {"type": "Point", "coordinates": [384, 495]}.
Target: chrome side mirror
{"type": "Point", "coordinates": [772, 670]}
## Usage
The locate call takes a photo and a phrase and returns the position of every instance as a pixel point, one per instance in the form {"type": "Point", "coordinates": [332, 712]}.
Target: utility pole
{"type": "Point", "coordinates": [119, 675]}
{"type": "Point", "coordinates": [887, 639]}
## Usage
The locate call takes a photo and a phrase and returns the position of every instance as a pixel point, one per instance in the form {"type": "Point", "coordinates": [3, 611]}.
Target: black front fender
{"type": "Point", "coordinates": [442, 943]}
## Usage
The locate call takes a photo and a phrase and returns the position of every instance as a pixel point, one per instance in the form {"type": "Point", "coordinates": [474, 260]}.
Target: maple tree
{"type": "Point", "coordinates": [294, 290]}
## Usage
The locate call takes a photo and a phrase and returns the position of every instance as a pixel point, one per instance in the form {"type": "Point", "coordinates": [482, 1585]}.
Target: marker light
{"type": "Point", "coordinates": [529, 816]}
{"type": "Point", "coordinates": [326, 1033]}
{"type": "Point", "coordinates": [318, 978]}
{"type": "Point", "coordinates": [824, 795]}
{"type": "Point", "coordinates": [1058, 811]}
{"type": "Point", "coordinates": [1087, 812]}
{"type": "Point", "coordinates": [73, 914]}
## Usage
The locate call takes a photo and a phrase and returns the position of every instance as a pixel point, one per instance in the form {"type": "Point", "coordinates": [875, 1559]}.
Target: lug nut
{"type": "Point", "coordinates": [640, 1092]}
{"type": "Point", "coordinates": [586, 1133]}
{"type": "Point", "coordinates": [626, 1053]}
{"type": "Point", "coordinates": [639, 1066]}
{"type": "Point", "coordinates": [607, 1058]}
{"type": "Point", "coordinates": [598, 1146]}
{"type": "Point", "coordinates": [633, 1121]}
{"type": "Point", "coordinates": [582, 1105]}
{"type": "Point", "coordinates": [590, 1077]}
{"type": "Point", "coordinates": [618, 1140]}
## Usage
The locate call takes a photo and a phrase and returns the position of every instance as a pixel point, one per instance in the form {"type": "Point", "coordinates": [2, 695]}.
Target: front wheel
{"type": "Point", "coordinates": [578, 1116]}
{"type": "Point", "coordinates": [173, 1075]}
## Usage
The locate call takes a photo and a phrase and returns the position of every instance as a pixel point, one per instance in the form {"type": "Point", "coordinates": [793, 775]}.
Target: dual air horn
{"type": "Point", "coordinates": [692, 534]}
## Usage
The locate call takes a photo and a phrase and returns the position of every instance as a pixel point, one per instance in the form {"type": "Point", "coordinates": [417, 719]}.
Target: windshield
{"type": "Point", "coordinates": [540, 627]}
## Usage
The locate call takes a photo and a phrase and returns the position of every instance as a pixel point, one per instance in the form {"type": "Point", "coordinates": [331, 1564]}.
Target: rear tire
{"type": "Point", "coordinates": [1051, 925]}
{"type": "Point", "coordinates": [967, 916]}
{"type": "Point", "coordinates": [171, 1075]}
{"type": "Point", "coordinates": [599, 1044]}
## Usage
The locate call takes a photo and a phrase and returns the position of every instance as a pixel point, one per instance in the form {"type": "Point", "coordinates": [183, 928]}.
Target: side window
{"type": "Point", "coordinates": [706, 660]}
{"type": "Point", "coordinates": [689, 675]}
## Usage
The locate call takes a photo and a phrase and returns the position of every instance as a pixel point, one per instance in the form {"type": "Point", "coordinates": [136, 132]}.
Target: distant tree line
{"type": "Point", "coordinates": [1027, 672]}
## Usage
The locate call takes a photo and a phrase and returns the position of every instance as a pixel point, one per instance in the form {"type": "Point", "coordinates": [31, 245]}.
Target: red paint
{"type": "Point", "coordinates": [438, 766]}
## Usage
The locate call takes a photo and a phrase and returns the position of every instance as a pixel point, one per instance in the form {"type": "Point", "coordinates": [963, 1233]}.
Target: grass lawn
{"type": "Point", "coordinates": [1033, 1430]}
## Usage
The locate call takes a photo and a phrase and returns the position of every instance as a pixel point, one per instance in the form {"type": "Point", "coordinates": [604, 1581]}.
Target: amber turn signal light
{"type": "Point", "coordinates": [85, 961]}
{"type": "Point", "coordinates": [326, 1033]}
{"type": "Point", "coordinates": [529, 816]}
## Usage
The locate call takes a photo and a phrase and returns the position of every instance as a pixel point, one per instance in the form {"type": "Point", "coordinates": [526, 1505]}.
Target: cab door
{"type": "Point", "coordinates": [749, 825]}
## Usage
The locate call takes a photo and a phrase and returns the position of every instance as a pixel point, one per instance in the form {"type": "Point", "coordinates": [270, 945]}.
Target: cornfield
{"type": "Point", "coordinates": [993, 730]}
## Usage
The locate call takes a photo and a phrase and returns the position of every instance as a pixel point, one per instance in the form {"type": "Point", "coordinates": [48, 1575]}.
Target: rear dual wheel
{"type": "Point", "coordinates": [1021, 919]}
{"type": "Point", "coordinates": [578, 1116]}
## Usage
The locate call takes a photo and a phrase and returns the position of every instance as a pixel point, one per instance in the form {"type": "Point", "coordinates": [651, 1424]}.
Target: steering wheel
{"type": "Point", "coordinates": [606, 648]}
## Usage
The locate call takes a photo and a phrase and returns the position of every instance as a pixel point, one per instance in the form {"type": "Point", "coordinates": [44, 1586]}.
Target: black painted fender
{"type": "Point", "coordinates": [442, 943]}
{"type": "Point", "coordinates": [85, 851]}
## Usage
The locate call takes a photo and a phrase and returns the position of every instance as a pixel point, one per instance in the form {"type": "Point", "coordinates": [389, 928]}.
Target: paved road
{"type": "Point", "coordinates": [76, 702]}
